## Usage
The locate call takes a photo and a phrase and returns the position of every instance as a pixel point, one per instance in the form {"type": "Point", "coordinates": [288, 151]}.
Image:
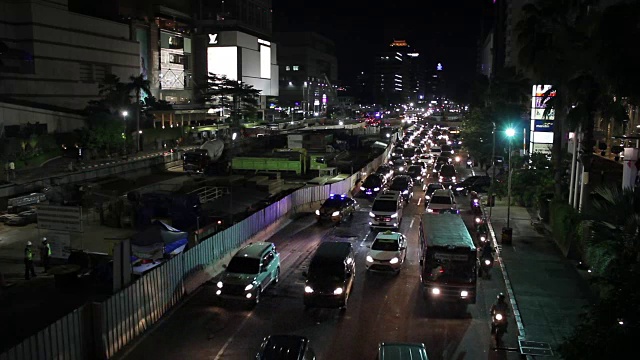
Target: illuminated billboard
{"type": "Point", "coordinates": [541, 128]}
{"type": "Point", "coordinates": [265, 62]}
{"type": "Point", "coordinates": [223, 61]}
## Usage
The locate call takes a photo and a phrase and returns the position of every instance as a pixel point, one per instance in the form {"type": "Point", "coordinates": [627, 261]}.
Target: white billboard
{"type": "Point", "coordinates": [265, 62]}
{"type": "Point", "coordinates": [541, 128]}
{"type": "Point", "coordinates": [223, 61]}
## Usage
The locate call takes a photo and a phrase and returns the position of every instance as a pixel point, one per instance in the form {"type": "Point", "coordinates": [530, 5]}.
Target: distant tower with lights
{"type": "Point", "coordinates": [398, 75]}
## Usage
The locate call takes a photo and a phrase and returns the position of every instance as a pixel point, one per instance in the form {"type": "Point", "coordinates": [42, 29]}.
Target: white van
{"type": "Point", "coordinates": [386, 211]}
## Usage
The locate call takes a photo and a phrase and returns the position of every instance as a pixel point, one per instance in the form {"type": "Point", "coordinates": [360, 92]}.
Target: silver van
{"type": "Point", "coordinates": [386, 211]}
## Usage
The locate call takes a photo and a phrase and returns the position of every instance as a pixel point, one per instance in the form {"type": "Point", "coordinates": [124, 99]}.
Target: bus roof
{"type": "Point", "coordinates": [446, 230]}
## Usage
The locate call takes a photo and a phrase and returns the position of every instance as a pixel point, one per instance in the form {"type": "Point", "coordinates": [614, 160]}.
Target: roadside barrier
{"type": "Point", "coordinates": [101, 330]}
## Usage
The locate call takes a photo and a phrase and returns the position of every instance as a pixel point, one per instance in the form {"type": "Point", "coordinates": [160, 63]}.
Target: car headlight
{"type": "Point", "coordinates": [220, 284]}
{"type": "Point", "coordinates": [394, 260]}
{"type": "Point", "coordinates": [401, 168]}
{"type": "Point", "coordinates": [487, 262]}
{"type": "Point", "coordinates": [376, 189]}
{"type": "Point", "coordinates": [441, 178]}
{"type": "Point", "coordinates": [405, 192]}
{"type": "Point", "coordinates": [369, 258]}
{"type": "Point", "coordinates": [335, 213]}
{"type": "Point", "coordinates": [435, 291]}
{"type": "Point", "coordinates": [457, 158]}
{"type": "Point", "coordinates": [427, 197]}
{"type": "Point", "coordinates": [418, 177]}
{"type": "Point", "coordinates": [482, 238]}
{"type": "Point", "coordinates": [453, 178]}
{"type": "Point", "coordinates": [372, 214]}
{"type": "Point", "coordinates": [429, 210]}
{"type": "Point", "coordinates": [248, 287]}
{"type": "Point", "coordinates": [317, 212]}
{"type": "Point", "coordinates": [459, 188]}
{"type": "Point", "coordinates": [308, 289]}
{"type": "Point", "coordinates": [394, 215]}
{"type": "Point", "coordinates": [464, 293]}
{"type": "Point", "coordinates": [337, 291]}
{"type": "Point", "coordinates": [362, 188]}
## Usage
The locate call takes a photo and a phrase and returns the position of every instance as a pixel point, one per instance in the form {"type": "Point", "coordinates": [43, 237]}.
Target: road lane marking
{"type": "Point", "coordinates": [419, 199]}
{"type": "Point", "coordinates": [411, 224]}
{"type": "Point", "coordinates": [220, 353]}
{"type": "Point", "coordinates": [365, 238]}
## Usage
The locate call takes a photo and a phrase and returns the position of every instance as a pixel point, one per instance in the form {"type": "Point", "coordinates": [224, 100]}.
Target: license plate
{"type": "Point", "coordinates": [387, 219]}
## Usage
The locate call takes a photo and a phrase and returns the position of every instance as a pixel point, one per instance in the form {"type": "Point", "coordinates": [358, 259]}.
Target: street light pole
{"type": "Point", "coordinates": [510, 134]}
{"type": "Point", "coordinates": [493, 169]}
{"type": "Point", "coordinates": [124, 133]}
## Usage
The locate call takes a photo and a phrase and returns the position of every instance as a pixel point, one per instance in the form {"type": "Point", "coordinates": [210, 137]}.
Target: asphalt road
{"type": "Point", "coordinates": [383, 307]}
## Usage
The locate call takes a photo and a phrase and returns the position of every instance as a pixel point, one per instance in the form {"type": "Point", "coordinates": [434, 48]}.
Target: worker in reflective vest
{"type": "Point", "coordinates": [45, 254]}
{"type": "Point", "coordinates": [29, 270]}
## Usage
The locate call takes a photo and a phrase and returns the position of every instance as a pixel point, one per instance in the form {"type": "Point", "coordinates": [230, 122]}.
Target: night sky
{"type": "Point", "coordinates": [443, 31]}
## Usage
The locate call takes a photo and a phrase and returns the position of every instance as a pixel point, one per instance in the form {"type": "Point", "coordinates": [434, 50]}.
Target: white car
{"type": "Point", "coordinates": [387, 252]}
{"type": "Point", "coordinates": [435, 151]}
{"type": "Point", "coordinates": [442, 200]}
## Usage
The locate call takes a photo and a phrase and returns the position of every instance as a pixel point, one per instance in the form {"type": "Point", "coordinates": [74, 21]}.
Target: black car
{"type": "Point", "coordinates": [372, 185]}
{"type": "Point", "coordinates": [400, 166]}
{"type": "Point", "coordinates": [465, 186]}
{"type": "Point", "coordinates": [279, 347]}
{"type": "Point", "coordinates": [447, 175]}
{"type": "Point", "coordinates": [417, 173]}
{"type": "Point", "coordinates": [429, 191]}
{"type": "Point", "coordinates": [385, 170]}
{"type": "Point", "coordinates": [481, 185]}
{"type": "Point", "coordinates": [403, 184]}
{"type": "Point", "coordinates": [336, 208]}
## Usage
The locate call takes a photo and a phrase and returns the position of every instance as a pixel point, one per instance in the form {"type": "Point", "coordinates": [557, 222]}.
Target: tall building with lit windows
{"type": "Point", "coordinates": [398, 75]}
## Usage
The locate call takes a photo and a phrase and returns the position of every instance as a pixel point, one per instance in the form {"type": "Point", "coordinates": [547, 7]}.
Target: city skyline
{"type": "Point", "coordinates": [442, 32]}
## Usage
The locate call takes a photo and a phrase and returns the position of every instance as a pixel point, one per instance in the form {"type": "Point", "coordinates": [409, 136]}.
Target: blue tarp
{"type": "Point", "coordinates": [158, 240]}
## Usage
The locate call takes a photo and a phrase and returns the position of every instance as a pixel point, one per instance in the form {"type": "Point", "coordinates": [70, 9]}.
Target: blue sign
{"type": "Point", "coordinates": [543, 125]}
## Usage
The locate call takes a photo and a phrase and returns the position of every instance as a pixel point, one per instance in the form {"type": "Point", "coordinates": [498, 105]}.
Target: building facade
{"type": "Point", "coordinates": [56, 58]}
{"type": "Point", "coordinates": [308, 72]}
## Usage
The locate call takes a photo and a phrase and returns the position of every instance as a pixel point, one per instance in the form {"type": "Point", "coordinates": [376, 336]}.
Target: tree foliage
{"type": "Point", "coordinates": [240, 98]}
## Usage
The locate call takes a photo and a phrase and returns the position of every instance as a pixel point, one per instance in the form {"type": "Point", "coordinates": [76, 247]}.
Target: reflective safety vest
{"type": "Point", "coordinates": [28, 254]}
{"type": "Point", "coordinates": [48, 249]}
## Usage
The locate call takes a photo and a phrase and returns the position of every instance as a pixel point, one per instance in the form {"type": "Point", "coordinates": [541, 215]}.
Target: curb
{"type": "Point", "coordinates": [507, 281]}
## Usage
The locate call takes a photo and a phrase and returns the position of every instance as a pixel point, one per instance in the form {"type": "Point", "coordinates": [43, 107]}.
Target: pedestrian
{"type": "Point", "coordinates": [29, 270]}
{"type": "Point", "coordinates": [12, 169]}
{"type": "Point", "coordinates": [45, 254]}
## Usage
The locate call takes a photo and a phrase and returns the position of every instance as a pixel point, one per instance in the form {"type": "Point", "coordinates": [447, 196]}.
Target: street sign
{"type": "Point", "coordinates": [60, 244]}
{"type": "Point", "coordinates": [62, 218]}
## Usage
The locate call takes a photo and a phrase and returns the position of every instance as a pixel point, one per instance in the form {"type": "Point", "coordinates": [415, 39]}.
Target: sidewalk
{"type": "Point", "coordinates": [547, 290]}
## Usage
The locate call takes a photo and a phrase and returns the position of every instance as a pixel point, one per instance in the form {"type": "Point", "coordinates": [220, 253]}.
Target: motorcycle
{"type": "Point", "coordinates": [474, 203]}
{"type": "Point", "coordinates": [479, 222]}
{"type": "Point", "coordinates": [482, 233]}
{"type": "Point", "coordinates": [498, 326]}
{"type": "Point", "coordinates": [486, 263]}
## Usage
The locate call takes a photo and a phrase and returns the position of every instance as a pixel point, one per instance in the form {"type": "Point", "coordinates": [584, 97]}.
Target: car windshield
{"type": "Point", "coordinates": [320, 270]}
{"type": "Point", "coordinates": [372, 181]}
{"type": "Point", "coordinates": [448, 171]}
{"type": "Point", "coordinates": [433, 187]}
{"type": "Point", "coordinates": [399, 184]}
{"type": "Point", "coordinates": [415, 169]}
{"type": "Point", "coordinates": [409, 152]}
{"type": "Point", "coordinates": [384, 205]}
{"type": "Point", "coordinates": [333, 203]}
{"type": "Point", "coordinates": [440, 200]}
{"type": "Point", "coordinates": [385, 245]}
{"type": "Point", "coordinates": [244, 265]}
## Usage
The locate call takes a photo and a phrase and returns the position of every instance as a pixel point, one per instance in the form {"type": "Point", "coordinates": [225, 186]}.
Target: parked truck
{"type": "Point", "coordinates": [208, 159]}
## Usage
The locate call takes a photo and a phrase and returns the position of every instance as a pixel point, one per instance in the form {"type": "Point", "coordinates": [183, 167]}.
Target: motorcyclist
{"type": "Point", "coordinates": [500, 306]}
{"type": "Point", "coordinates": [487, 251]}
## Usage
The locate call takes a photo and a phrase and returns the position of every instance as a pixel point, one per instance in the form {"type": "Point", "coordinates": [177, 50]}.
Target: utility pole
{"type": "Point", "coordinates": [493, 169]}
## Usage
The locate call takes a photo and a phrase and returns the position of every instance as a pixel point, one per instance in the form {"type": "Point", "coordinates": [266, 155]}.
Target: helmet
{"type": "Point", "coordinates": [44, 239]}
{"type": "Point", "coordinates": [29, 243]}
{"type": "Point", "coordinates": [501, 297]}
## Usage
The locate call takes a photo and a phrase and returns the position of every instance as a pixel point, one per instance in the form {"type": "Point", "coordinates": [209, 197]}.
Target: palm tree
{"type": "Point", "coordinates": [138, 84]}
